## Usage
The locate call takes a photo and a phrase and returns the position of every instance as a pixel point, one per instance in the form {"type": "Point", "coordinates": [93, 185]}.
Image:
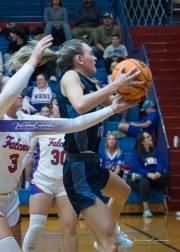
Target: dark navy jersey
{"type": "Point", "coordinates": [88, 139]}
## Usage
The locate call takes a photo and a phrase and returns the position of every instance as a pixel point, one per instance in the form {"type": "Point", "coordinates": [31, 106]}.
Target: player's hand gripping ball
{"type": "Point", "coordinates": [145, 76]}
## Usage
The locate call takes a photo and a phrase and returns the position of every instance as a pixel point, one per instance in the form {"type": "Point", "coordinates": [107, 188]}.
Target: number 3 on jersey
{"type": "Point", "coordinates": [58, 157]}
{"type": "Point", "coordinates": [14, 160]}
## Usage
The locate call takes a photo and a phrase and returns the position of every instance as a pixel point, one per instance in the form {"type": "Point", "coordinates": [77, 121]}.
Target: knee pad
{"type": "Point", "coordinates": [9, 244]}
{"type": "Point", "coordinates": [35, 231]}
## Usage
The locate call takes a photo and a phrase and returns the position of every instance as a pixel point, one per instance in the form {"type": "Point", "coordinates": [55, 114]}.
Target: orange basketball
{"type": "Point", "coordinates": [145, 76]}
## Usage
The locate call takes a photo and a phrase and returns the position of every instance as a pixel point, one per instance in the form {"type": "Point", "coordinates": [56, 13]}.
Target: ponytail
{"type": "Point", "coordinates": [24, 54]}
{"type": "Point", "coordinates": [65, 56]}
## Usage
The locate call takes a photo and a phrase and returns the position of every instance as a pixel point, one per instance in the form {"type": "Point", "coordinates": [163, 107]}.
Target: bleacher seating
{"type": "Point", "coordinates": [32, 10]}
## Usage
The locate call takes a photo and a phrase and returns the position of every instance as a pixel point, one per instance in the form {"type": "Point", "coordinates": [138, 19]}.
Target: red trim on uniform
{"type": "Point", "coordinates": [36, 167]}
{"type": "Point", "coordinates": [38, 188]}
{"type": "Point", "coordinates": [19, 220]}
{"type": "Point", "coordinates": [1, 215]}
{"type": "Point", "coordinates": [39, 156]}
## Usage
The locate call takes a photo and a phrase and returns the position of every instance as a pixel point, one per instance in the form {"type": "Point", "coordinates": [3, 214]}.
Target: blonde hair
{"type": "Point", "coordinates": [24, 54]}
{"type": "Point", "coordinates": [65, 56]}
{"type": "Point", "coordinates": [67, 53]}
{"type": "Point", "coordinates": [117, 147]}
{"type": "Point", "coordinates": [39, 36]}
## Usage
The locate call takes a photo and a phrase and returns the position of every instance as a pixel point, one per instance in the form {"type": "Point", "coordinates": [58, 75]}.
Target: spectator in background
{"type": "Point", "coordinates": [148, 162]}
{"type": "Point", "coordinates": [56, 16]}
{"type": "Point", "coordinates": [20, 40]}
{"type": "Point", "coordinates": [46, 110]}
{"type": "Point", "coordinates": [87, 18]}
{"type": "Point", "coordinates": [103, 33]}
{"type": "Point", "coordinates": [116, 49]}
{"type": "Point", "coordinates": [149, 124]}
{"type": "Point", "coordinates": [112, 157]}
{"type": "Point", "coordinates": [38, 96]}
{"type": "Point", "coordinates": [110, 64]}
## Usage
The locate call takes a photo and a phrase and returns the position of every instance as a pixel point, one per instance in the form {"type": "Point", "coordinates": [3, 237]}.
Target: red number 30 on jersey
{"type": "Point", "coordinates": [58, 156]}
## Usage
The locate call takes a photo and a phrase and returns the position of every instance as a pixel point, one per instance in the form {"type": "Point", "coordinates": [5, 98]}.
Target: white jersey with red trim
{"type": "Point", "coordinates": [14, 146]}
{"type": "Point", "coordinates": [50, 155]}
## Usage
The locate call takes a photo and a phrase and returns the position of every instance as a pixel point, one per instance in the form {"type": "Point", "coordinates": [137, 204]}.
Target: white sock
{"type": "Point", "coordinates": [27, 184]}
{"type": "Point", "coordinates": [116, 229]}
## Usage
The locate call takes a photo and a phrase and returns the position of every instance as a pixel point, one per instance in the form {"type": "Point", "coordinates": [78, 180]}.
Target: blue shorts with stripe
{"type": "Point", "coordinates": [84, 182]}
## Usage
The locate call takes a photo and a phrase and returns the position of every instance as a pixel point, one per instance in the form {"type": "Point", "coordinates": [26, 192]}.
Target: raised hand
{"type": "Point", "coordinates": [127, 80]}
{"type": "Point", "coordinates": [119, 104]}
{"type": "Point", "coordinates": [31, 53]}
{"type": "Point", "coordinates": [39, 49]}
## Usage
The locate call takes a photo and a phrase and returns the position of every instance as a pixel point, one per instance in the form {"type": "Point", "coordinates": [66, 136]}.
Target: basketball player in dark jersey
{"type": "Point", "coordinates": [85, 181]}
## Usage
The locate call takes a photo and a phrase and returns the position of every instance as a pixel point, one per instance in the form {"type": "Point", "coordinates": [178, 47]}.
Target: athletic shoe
{"type": "Point", "coordinates": [136, 176]}
{"type": "Point", "coordinates": [147, 213]}
{"type": "Point", "coordinates": [123, 241]}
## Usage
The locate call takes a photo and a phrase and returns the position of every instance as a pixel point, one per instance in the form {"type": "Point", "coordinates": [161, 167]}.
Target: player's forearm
{"type": "Point", "coordinates": [102, 96]}
{"type": "Point", "coordinates": [14, 87]}
{"type": "Point", "coordinates": [88, 120]}
{"type": "Point", "coordinates": [34, 142]}
{"type": "Point", "coordinates": [64, 125]}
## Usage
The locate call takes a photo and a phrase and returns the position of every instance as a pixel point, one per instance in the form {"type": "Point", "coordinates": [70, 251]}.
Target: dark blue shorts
{"type": "Point", "coordinates": [133, 131]}
{"type": "Point", "coordinates": [84, 182]}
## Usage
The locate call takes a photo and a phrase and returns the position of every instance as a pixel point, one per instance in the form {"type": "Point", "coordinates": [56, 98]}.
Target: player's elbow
{"type": "Point", "coordinates": [80, 109]}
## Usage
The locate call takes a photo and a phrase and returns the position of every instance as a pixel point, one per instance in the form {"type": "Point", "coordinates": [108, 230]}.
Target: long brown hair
{"type": "Point", "coordinates": [140, 148]}
{"type": "Point", "coordinates": [60, 3]}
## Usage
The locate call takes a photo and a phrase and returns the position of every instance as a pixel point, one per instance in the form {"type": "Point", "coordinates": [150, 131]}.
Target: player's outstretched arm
{"type": "Point", "coordinates": [65, 125]}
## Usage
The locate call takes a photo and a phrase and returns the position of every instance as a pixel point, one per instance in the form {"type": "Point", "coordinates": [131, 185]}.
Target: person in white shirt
{"type": "Point", "coordinates": [16, 144]}
{"type": "Point", "coordinates": [116, 49]}
{"type": "Point", "coordinates": [37, 96]}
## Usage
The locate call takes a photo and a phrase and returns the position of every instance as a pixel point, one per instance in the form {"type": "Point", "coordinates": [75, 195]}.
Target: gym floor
{"type": "Point", "coordinates": [161, 233]}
